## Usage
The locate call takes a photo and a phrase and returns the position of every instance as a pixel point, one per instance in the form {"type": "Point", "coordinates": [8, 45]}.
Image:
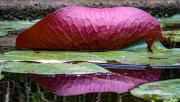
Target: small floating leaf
{"type": "Point", "coordinates": [162, 90]}
{"type": "Point", "coordinates": [51, 69]}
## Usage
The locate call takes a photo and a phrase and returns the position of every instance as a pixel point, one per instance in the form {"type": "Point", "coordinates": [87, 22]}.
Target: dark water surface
{"type": "Point", "coordinates": [20, 88]}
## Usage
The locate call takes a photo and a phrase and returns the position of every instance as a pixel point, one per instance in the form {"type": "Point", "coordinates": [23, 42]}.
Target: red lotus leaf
{"type": "Point", "coordinates": [81, 28]}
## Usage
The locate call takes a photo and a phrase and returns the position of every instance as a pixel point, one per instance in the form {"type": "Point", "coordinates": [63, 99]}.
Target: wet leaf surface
{"type": "Point", "coordinates": [161, 90]}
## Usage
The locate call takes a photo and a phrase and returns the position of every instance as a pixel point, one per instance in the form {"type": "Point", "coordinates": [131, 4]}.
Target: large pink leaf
{"type": "Point", "coordinates": [75, 85]}
{"type": "Point", "coordinates": [81, 28]}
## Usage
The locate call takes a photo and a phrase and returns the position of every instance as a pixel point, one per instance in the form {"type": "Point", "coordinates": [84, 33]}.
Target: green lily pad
{"type": "Point", "coordinates": [66, 56]}
{"type": "Point", "coordinates": [51, 69]}
{"type": "Point", "coordinates": [173, 35]}
{"type": "Point", "coordinates": [161, 90]}
{"type": "Point", "coordinates": [171, 20]}
{"type": "Point", "coordinates": [160, 55]}
{"type": "Point", "coordinates": [52, 55]}
{"type": "Point", "coordinates": [135, 53]}
{"type": "Point", "coordinates": [6, 26]}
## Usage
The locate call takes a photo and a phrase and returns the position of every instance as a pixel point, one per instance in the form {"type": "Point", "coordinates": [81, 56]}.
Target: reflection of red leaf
{"type": "Point", "coordinates": [149, 75]}
{"type": "Point", "coordinates": [75, 85]}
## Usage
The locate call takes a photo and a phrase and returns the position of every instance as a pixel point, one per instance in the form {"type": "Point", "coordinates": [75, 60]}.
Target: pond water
{"type": "Point", "coordinates": [21, 89]}
{"type": "Point", "coordinates": [95, 84]}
